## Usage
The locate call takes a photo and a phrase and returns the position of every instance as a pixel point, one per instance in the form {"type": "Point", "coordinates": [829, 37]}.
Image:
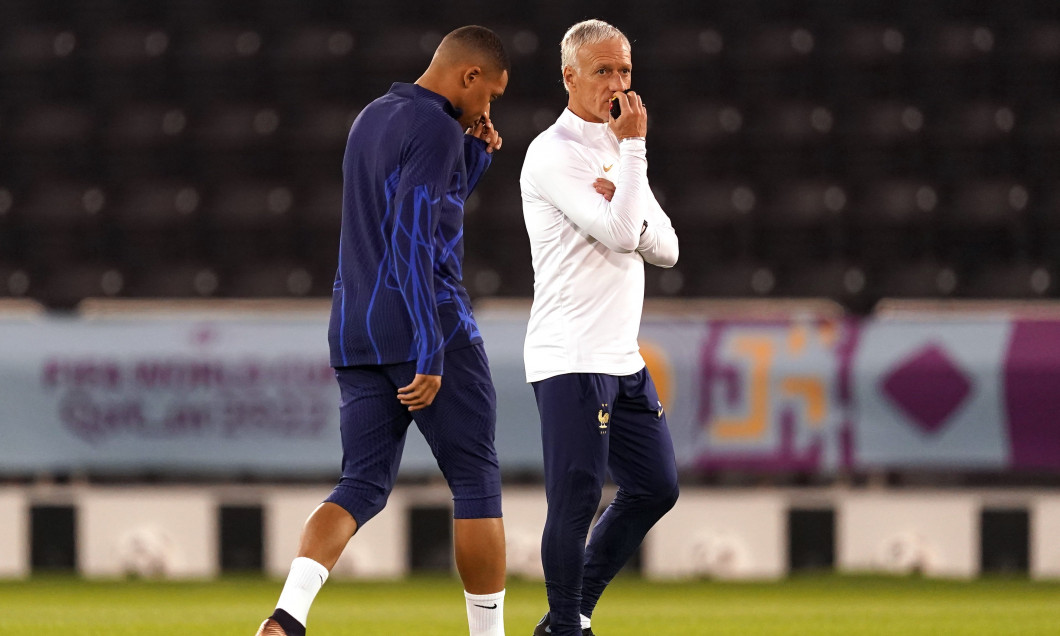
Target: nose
{"type": "Point", "coordinates": [617, 83]}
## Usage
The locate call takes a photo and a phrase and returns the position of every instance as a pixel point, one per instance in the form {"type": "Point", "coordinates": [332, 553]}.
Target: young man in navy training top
{"type": "Point", "coordinates": [400, 314]}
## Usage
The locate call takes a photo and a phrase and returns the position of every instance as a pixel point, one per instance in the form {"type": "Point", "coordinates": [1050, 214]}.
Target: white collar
{"type": "Point", "coordinates": [586, 129]}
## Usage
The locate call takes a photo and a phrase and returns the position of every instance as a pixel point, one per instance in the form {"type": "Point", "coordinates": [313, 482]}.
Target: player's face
{"type": "Point", "coordinates": [480, 94]}
{"type": "Point", "coordinates": [601, 70]}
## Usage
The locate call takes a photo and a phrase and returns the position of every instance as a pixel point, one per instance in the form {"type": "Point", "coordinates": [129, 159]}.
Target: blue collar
{"type": "Point", "coordinates": [416, 91]}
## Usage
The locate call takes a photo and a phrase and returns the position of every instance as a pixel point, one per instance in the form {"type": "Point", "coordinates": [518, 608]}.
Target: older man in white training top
{"type": "Point", "coordinates": [593, 222]}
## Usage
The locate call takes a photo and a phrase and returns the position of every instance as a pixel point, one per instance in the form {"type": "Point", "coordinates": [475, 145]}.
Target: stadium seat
{"type": "Point", "coordinates": [318, 213]}
{"type": "Point", "coordinates": [867, 45]}
{"type": "Point", "coordinates": [161, 205]}
{"type": "Point", "coordinates": [62, 219]}
{"type": "Point", "coordinates": [63, 287]}
{"type": "Point", "coordinates": [518, 274]}
{"type": "Point", "coordinates": [125, 47]}
{"type": "Point", "coordinates": [520, 120]}
{"type": "Point", "coordinates": [521, 40]}
{"type": "Point", "coordinates": [236, 126]}
{"type": "Point", "coordinates": [308, 48]}
{"type": "Point", "coordinates": [882, 124]}
{"type": "Point", "coordinates": [145, 126]}
{"type": "Point", "coordinates": [975, 124]}
{"type": "Point", "coordinates": [174, 279]}
{"type": "Point", "coordinates": [219, 63]}
{"type": "Point", "coordinates": [801, 219]}
{"type": "Point", "coordinates": [775, 46]}
{"type": "Point", "coordinates": [1040, 126]}
{"type": "Point", "coordinates": [790, 123]}
{"type": "Point", "coordinates": [249, 219]}
{"type": "Point", "coordinates": [891, 220]}
{"type": "Point", "coordinates": [1008, 280]}
{"type": "Point", "coordinates": [730, 279]}
{"type": "Point", "coordinates": [988, 202]}
{"type": "Point", "coordinates": [319, 127]}
{"type": "Point", "coordinates": [495, 208]}
{"type": "Point", "coordinates": [487, 274]}
{"type": "Point", "coordinates": [687, 60]}
{"type": "Point", "coordinates": [985, 218]}
{"type": "Point", "coordinates": [9, 236]}
{"type": "Point", "coordinates": [956, 59]}
{"type": "Point", "coordinates": [703, 204]}
{"type": "Point", "coordinates": [404, 49]}
{"type": "Point", "coordinates": [235, 140]}
{"type": "Point", "coordinates": [36, 48]}
{"type": "Point", "coordinates": [15, 281]}
{"type": "Point", "coordinates": [271, 279]}
{"type": "Point", "coordinates": [481, 279]}
{"type": "Point", "coordinates": [664, 282]}
{"type": "Point", "coordinates": [318, 220]}
{"type": "Point", "coordinates": [838, 280]}
{"type": "Point", "coordinates": [132, 61]}
{"type": "Point", "coordinates": [716, 216]}
{"type": "Point", "coordinates": [157, 219]}
{"type": "Point", "coordinates": [726, 278]}
{"type": "Point", "coordinates": [1045, 224]}
{"type": "Point", "coordinates": [922, 278]}
{"type": "Point", "coordinates": [957, 43]}
{"type": "Point", "coordinates": [1033, 54]}
{"type": "Point", "coordinates": [697, 124]}
{"type": "Point", "coordinates": [51, 127]}
{"type": "Point", "coordinates": [1037, 42]}
{"type": "Point", "coordinates": [223, 47]}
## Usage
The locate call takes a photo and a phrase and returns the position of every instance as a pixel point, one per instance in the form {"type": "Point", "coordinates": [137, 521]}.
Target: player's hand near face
{"type": "Point", "coordinates": [484, 130]}
{"type": "Point", "coordinates": [421, 392]}
{"type": "Point", "coordinates": [605, 187]}
{"type": "Point", "coordinates": [633, 120]}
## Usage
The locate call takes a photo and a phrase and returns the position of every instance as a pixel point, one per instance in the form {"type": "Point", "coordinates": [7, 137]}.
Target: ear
{"type": "Point", "coordinates": [568, 77]}
{"type": "Point", "coordinates": [470, 75]}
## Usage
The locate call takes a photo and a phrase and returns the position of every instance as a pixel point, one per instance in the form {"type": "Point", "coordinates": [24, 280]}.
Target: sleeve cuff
{"type": "Point", "coordinates": [474, 141]}
{"type": "Point", "coordinates": [632, 146]}
{"type": "Point", "coordinates": [430, 367]}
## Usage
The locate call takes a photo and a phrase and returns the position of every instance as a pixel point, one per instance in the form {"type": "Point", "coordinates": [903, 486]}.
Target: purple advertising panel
{"type": "Point", "coordinates": [927, 392]}
{"type": "Point", "coordinates": [1032, 391]}
{"type": "Point", "coordinates": [776, 396]}
{"type": "Point", "coordinates": [809, 395]}
{"type": "Point", "coordinates": [930, 394]}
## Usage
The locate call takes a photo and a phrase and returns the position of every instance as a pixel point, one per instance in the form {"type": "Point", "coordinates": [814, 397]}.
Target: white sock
{"type": "Point", "coordinates": [585, 622]}
{"type": "Point", "coordinates": [485, 613]}
{"type": "Point", "coordinates": [303, 583]}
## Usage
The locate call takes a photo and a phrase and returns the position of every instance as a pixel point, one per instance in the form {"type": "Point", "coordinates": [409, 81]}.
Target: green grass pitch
{"type": "Point", "coordinates": [424, 606]}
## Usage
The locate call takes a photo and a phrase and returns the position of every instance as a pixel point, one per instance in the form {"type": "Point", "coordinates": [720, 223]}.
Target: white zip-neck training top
{"type": "Point", "coordinates": [588, 253]}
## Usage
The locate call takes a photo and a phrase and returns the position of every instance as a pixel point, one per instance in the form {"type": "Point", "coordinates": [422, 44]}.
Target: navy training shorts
{"type": "Point", "coordinates": [459, 427]}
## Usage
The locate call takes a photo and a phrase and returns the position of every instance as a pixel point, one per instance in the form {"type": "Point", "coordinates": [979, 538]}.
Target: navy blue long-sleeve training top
{"type": "Point", "coordinates": [407, 171]}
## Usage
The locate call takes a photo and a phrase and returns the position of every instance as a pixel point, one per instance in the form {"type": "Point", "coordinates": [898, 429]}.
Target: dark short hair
{"type": "Point", "coordinates": [483, 41]}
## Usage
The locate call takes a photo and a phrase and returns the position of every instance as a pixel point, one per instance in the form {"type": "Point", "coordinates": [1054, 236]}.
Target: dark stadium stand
{"type": "Point", "coordinates": [850, 150]}
{"type": "Point", "coordinates": [173, 279]}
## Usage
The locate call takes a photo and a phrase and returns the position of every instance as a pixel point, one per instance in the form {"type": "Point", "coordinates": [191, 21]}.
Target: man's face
{"type": "Point", "coordinates": [600, 71]}
{"type": "Point", "coordinates": [480, 93]}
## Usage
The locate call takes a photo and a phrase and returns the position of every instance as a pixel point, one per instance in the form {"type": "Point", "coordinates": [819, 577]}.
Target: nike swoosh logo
{"type": "Point", "coordinates": [494, 606]}
{"type": "Point", "coordinates": [608, 168]}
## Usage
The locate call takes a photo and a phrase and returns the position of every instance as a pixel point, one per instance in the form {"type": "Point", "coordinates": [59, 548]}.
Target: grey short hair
{"type": "Point", "coordinates": [585, 33]}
